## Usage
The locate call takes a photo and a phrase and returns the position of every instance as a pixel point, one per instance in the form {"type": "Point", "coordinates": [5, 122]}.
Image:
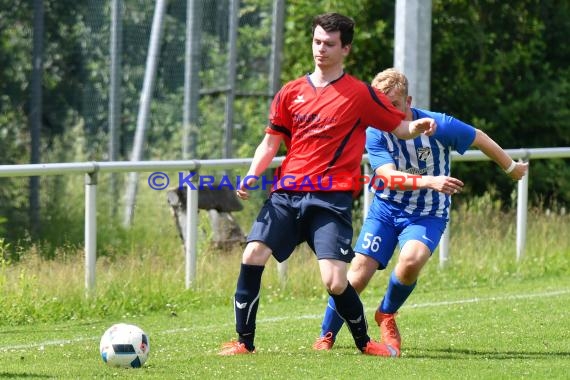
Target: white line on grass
{"type": "Point", "coordinates": [61, 342]}
{"type": "Point", "coordinates": [554, 293]}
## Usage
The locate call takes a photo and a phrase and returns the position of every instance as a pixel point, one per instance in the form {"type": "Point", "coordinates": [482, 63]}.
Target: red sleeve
{"type": "Point", "coordinates": [381, 113]}
{"type": "Point", "coordinates": [279, 116]}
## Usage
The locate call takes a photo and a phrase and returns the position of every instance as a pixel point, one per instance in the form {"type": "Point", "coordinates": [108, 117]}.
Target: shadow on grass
{"type": "Point", "coordinates": [11, 330]}
{"type": "Point", "coordinates": [458, 353]}
{"type": "Point", "coordinates": [23, 375]}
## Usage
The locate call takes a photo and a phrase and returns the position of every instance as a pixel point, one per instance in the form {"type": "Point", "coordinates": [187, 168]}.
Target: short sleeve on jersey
{"type": "Point", "coordinates": [382, 107]}
{"type": "Point", "coordinates": [376, 142]}
{"type": "Point", "coordinates": [451, 132]}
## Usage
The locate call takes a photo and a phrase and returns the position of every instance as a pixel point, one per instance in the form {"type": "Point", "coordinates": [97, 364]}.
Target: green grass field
{"type": "Point", "coordinates": [517, 330]}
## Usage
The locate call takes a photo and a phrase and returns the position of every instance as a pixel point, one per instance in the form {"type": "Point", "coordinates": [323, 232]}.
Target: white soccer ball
{"type": "Point", "coordinates": [124, 345]}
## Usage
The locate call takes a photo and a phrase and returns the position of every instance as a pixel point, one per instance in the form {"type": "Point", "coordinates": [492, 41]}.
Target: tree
{"type": "Point", "coordinates": [501, 67]}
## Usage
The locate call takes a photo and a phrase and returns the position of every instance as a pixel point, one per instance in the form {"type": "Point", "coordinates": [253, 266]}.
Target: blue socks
{"type": "Point", "coordinates": [332, 322]}
{"type": "Point", "coordinates": [396, 294]}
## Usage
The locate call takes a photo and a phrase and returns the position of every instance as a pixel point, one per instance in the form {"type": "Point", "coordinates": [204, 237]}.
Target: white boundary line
{"type": "Point", "coordinates": [61, 342]}
{"type": "Point", "coordinates": [553, 293]}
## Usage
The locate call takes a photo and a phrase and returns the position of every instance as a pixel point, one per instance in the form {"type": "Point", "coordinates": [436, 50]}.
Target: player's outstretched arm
{"type": "Point", "coordinates": [398, 180]}
{"type": "Point", "coordinates": [264, 154]}
{"type": "Point", "coordinates": [412, 129]}
{"type": "Point", "coordinates": [515, 170]}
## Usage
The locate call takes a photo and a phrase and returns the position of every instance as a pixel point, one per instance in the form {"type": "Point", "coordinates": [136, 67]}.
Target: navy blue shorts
{"type": "Point", "coordinates": [322, 219]}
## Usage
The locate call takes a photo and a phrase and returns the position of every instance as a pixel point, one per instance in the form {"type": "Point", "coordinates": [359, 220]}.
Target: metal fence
{"type": "Point", "coordinates": [92, 169]}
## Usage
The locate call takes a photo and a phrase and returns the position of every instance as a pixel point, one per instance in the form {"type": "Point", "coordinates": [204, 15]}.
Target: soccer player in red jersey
{"type": "Point", "coordinates": [322, 119]}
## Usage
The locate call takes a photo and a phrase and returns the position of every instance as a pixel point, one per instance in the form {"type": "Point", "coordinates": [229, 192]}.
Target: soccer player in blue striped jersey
{"type": "Point", "coordinates": [413, 190]}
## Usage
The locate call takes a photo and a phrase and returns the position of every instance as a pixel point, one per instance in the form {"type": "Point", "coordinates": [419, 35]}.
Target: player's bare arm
{"type": "Point", "coordinates": [412, 129]}
{"type": "Point", "coordinates": [264, 154]}
{"type": "Point", "coordinates": [400, 180]}
{"type": "Point", "coordinates": [515, 170]}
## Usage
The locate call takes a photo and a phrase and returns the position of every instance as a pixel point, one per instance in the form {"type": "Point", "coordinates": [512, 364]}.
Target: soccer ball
{"type": "Point", "coordinates": [124, 345]}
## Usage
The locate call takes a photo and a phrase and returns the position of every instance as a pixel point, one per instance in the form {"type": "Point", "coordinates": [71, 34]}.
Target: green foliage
{"type": "Point", "coordinates": [497, 66]}
{"type": "Point", "coordinates": [15, 50]}
{"type": "Point", "coordinates": [500, 66]}
{"type": "Point", "coordinates": [3, 220]}
{"type": "Point", "coordinates": [372, 45]}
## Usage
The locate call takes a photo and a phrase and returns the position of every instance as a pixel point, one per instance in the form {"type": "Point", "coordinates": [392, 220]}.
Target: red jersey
{"type": "Point", "coordinates": [324, 130]}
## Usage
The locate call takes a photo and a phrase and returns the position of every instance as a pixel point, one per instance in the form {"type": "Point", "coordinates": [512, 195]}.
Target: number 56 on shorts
{"type": "Point", "coordinates": [371, 242]}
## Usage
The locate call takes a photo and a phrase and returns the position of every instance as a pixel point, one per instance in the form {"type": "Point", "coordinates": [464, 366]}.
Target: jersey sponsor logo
{"type": "Point", "coordinates": [415, 171]}
{"type": "Point", "coordinates": [241, 305]}
{"type": "Point", "coordinates": [300, 99]}
{"type": "Point", "coordinates": [424, 153]}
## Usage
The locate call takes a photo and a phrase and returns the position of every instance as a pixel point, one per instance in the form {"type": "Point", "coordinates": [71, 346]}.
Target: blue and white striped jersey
{"type": "Point", "coordinates": [423, 156]}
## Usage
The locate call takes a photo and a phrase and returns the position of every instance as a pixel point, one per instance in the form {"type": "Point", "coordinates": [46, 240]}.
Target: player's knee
{"type": "Point", "coordinates": [408, 271]}
{"type": "Point", "coordinates": [361, 271]}
{"type": "Point", "coordinates": [413, 262]}
{"type": "Point", "coordinates": [256, 253]}
{"type": "Point", "coordinates": [335, 287]}
{"type": "Point", "coordinates": [411, 265]}
{"type": "Point", "coordinates": [358, 283]}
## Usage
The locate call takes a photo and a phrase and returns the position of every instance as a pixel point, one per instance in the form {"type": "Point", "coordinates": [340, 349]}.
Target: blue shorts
{"type": "Point", "coordinates": [322, 219]}
{"type": "Point", "coordinates": [386, 226]}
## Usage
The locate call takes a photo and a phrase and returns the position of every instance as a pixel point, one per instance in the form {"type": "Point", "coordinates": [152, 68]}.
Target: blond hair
{"type": "Point", "coordinates": [391, 79]}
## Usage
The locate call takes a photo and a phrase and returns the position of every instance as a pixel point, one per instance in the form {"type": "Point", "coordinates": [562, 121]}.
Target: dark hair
{"type": "Point", "coordinates": [335, 22]}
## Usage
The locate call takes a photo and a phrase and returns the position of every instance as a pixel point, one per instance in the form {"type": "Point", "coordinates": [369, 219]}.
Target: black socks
{"type": "Point", "coordinates": [246, 301]}
{"type": "Point", "coordinates": [349, 307]}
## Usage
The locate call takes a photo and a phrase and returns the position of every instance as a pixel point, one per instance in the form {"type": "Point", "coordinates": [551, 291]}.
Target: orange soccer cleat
{"type": "Point", "coordinates": [388, 329]}
{"type": "Point", "coordinates": [324, 342]}
{"type": "Point", "coordinates": [234, 348]}
{"type": "Point", "coordinates": [380, 349]}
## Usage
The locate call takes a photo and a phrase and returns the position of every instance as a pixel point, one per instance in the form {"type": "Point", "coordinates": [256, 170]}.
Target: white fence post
{"type": "Point", "coordinates": [282, 269]}
{"type": "Point", "coordinates": [90, 231]}
{"type": "Point", "coordinates": [522, 208]}
{"type": "Point", "coordinates": [191, 234]}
